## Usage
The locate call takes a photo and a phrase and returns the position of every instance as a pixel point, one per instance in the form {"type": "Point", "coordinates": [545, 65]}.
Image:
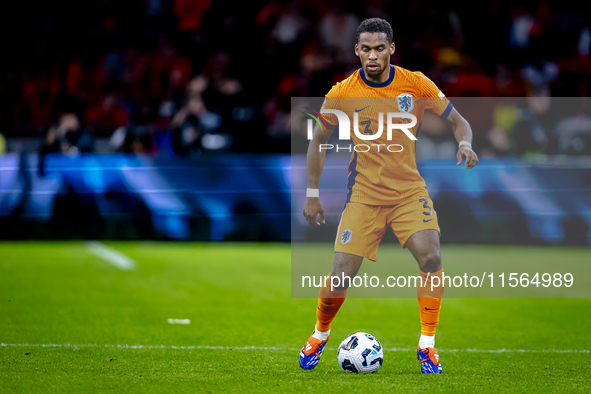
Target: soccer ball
{"type": "Point", "coordinates": [360, 352]}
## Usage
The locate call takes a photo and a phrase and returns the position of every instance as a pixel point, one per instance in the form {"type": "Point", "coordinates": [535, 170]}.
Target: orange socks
{"type": "Point", "coordinates": [329, 303]}
{"type": "Point", "coordinates": [430, 296]}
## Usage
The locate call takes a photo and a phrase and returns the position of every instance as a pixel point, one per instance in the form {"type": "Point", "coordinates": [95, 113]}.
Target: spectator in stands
{"type": "Point", "coordinates": [183, 136]}
{"type": "Point", "coordinates": [338, 29]}
{"type": "Point", "coordinates": [107, 114]}
{"type": "Point", "coordinates": [137, 136]}
{"type": "Point", "coordinates": [66, 137]}
{"type": "Point", "coordinates": [186, 139]}
{"type": "Point", "coordinates": [573, 132]}
{"type": "Point", "coordinates": [133, 139]}
{"type": "Point", "coordinates": [39, 94]}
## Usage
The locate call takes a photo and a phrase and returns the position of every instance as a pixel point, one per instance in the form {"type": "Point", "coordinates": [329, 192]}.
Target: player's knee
{"type": "Point", "coordinates": [341, 288]}
{"type": "Point", "coordinates": [344, 270]}
{"type": "Point", "coordinates": [341, 279]}
{"type": "Point", "coordinates": [430, 261]}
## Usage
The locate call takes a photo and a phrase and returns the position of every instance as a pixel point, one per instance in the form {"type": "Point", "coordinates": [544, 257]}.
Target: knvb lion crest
{"type": "Point", "coordinates": [346, 236]}
{"type": "Point", "coordinates": [405, 102]}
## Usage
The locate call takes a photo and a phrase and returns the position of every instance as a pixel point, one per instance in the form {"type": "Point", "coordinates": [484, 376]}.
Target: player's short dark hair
{"type": "Point", "coordinates": [376, 25]}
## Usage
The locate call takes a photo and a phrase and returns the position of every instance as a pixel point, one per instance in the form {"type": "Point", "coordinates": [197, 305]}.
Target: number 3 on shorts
{"type": "Point", "coordinates": [426, 206]}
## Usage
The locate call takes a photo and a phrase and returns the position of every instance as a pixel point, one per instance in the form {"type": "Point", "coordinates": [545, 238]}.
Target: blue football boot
{"type": "Point", "coordinates": [429, 359]}
{"type": "Point", "coordinates": [311, 352]}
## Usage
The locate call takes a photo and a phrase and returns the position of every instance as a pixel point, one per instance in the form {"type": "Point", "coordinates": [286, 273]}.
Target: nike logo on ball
{"type": "Point", "coordinates": [359, 110]}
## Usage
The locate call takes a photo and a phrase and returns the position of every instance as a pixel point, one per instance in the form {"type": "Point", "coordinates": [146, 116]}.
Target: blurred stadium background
{"type": "Point", "coordinates": [160, 119]}
{"type": "Point", "coordinates": [125, 121]}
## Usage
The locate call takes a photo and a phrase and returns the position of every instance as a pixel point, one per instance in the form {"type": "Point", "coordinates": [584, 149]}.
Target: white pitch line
{"type": "Point", "coordinates": [111, 256]}
{"type": "Point", "coordinates": [94, 345]}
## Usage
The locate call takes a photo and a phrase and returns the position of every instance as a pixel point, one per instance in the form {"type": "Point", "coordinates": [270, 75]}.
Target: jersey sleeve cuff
{"type": "Point", "coordinates": [445, 113]}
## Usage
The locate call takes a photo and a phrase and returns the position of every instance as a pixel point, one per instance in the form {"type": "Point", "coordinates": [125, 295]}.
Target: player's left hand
{"type": "Point", "coordinates": [469, 154]}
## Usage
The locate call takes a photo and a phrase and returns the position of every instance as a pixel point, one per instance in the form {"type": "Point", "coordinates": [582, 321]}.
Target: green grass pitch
{"type": "Point", "coordinates": [111, 332]}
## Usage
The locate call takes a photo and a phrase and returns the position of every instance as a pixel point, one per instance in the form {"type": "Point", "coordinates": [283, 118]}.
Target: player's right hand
{"type": "Point", "coordinates": [312, 209]}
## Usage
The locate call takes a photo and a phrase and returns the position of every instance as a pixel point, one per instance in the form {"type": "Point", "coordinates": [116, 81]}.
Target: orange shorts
{"type": "Point", "coordinates": [362, 226]}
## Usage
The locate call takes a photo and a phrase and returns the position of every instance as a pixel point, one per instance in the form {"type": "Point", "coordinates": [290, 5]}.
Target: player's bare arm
{"type": "Point", "coordinates": [314, 167]}
{"type": "Point", "coordinates": [463, 132]}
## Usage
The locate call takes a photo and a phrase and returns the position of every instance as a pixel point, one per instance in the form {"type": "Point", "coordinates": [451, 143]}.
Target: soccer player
{"type": "Point", "coordinates": [385, 188]}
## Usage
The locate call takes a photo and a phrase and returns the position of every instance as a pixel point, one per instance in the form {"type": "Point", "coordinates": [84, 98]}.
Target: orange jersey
{"type": "Point", "coordinates": [387, 172]}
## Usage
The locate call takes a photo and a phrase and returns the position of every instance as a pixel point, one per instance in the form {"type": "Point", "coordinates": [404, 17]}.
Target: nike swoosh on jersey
{"type": "Point", "coordinates": [425, 221]}
{"type": "Point", "coordinates": [359, 110]}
